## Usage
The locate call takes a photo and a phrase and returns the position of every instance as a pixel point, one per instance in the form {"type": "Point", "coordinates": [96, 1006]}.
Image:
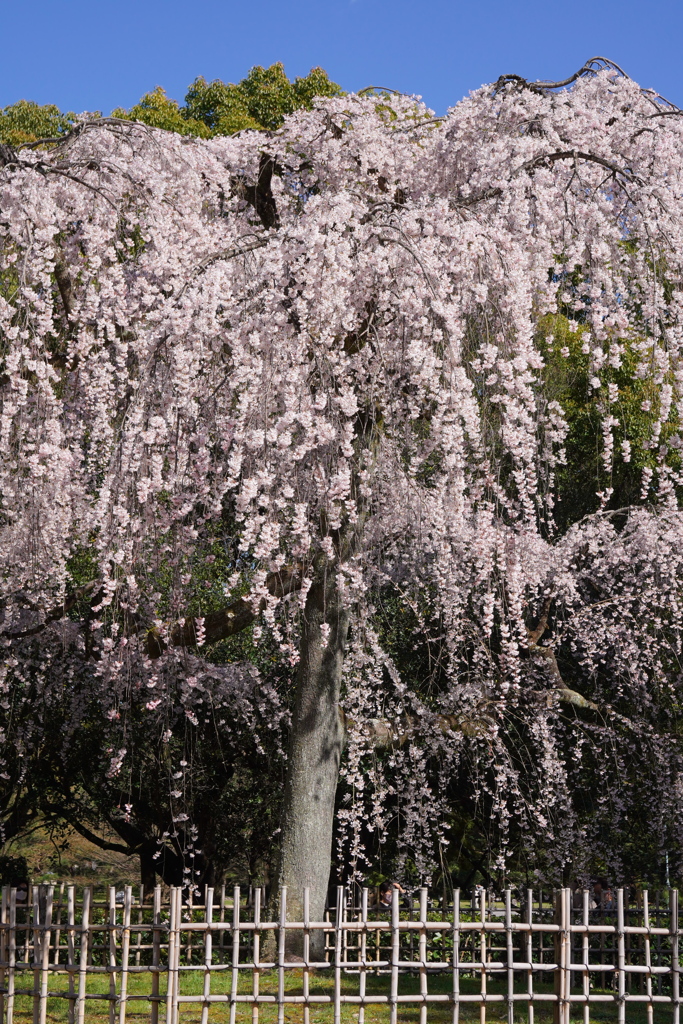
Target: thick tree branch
{"type": "Point", "coordinates": [103, 844]}
{"type": "Point", "coordinates": [56, 613]}
{"type": "Point", "coordinates": [260, 195]}
{"type": "Point", "coordinates": [228, 621]}
{"type": "Point", "coordinates": [65, 288]}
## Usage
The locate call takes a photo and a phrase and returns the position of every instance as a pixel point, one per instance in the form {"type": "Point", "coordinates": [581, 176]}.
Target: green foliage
{"type": "Point", "coordinates": [159, 111]}
{"type": "Point", "coordinates": [259, 101]}
{"type": "Point", "coordinates": [26, 122]}
{"type": "Point", "coordinates": [567, 379]}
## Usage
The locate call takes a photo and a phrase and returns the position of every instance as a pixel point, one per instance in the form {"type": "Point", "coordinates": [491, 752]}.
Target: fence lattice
{"type": "Point", "coordinates": [522, 951]}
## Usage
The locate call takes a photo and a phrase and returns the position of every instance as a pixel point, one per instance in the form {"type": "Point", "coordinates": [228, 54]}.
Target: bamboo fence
{"type": "Point", "coordinates": [165, 954]}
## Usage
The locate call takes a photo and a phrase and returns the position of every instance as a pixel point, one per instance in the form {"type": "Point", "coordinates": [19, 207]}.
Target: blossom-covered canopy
{"type": "Point", "coordinates": [234, 366]}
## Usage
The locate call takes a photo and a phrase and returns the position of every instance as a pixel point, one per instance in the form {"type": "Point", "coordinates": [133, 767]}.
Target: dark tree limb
{"type": "Point", "coordinates": [56, 613]}
{"type": "Point", "coordinates": [228, 621]}
{"type": "Point", "coordinates": [260, 195]}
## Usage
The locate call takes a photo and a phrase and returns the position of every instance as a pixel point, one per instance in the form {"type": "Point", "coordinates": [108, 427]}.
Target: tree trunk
{"type": "Point", "coordinates": [313, 767]}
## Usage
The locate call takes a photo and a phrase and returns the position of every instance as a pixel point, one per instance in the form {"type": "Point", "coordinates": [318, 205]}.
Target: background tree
{"type": "Point", "coordinates": [24, 122]}
{"type": "Point", "coordinates": [260, 101]}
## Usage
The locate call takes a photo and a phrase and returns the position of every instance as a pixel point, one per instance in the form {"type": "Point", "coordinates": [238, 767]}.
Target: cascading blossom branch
{"type": "Point", "coordinates": [318, 350]}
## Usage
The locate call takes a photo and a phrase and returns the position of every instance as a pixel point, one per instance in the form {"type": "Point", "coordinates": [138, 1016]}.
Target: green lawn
{"type": "Point", "coordinates": [97, 1012]}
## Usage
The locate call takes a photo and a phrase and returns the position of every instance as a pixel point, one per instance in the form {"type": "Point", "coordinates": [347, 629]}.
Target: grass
{"type": "Point", "coordinates": [321, 983]}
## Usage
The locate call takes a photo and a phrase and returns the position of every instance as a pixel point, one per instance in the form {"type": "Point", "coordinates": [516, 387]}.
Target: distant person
{"type": "Point", "coordinates": [385, 892]}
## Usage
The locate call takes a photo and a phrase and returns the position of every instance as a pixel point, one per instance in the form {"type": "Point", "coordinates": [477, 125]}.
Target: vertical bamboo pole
{"type": "Point", "coordinates": [45, 955]}
{"type": "Point", "coordinates": [138, 939]}
{"type": "Point", "coordinates": [422, 949]}
{"type": "Point", "coordinates": [25, 956]}
{"type": "Point", "coordinates": [658, 941]}
{"type": "Point", "coordinates": [222, 920]}
{"type": "Point", "coordinates": [281, 936]}
{"type": "Point", "coordinates": [11, 967]}
{"type": "Point", "coordinates": [562, 956]}
{"type": "Point", "coordinates": [530, 954]}
{"type": "Point", "coordinates": [71, 950]}
{"type": "Point", "coordinates": [307, 953]}
{"type": "Point", "coordinates": [125, 953]}
{"type": "Point", "coordinates": [234, 981]}
{"type": "Point", "coordinates": [675, 958]}
{"type": "Point", "coordinates": [57, 918]}
{"type": "Point", "coordinates": [156, 954]}
{"type": "Point", "coordinates": [585, 948]}
{"type": "Point", "coordinates": [83, 966]}
{"type": "Point", "coordinates": [172, 940]}
{"type": "Point", "coordinates": [395, 953]}
{"type": "Point", "coordinates": [621, 959]}
{"type": "Point", "coordinates": [483, 951]}
{"type": "Point", "coordinates": [36, 951]}
{"type": "Point", "coordinates": [338, 941]}
{"type": "Point", "coordinates": [4, 924]}
{"type": "Point", "coordinates": [648, 955]}
{"type": "Point", "coordinates": [208, 953]}
{"type": "Point", "coordinates": [257, 956]}
{"type": "Point", "coordinates": [510, 955]}
{"type": "Point", "coordinates": [362, 956]}
{"type": "Point", "coordinates": [111, 928]}
{"type": "Point", "coordinates": [456, 957]}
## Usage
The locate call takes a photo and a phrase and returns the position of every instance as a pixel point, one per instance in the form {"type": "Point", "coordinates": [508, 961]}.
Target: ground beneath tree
{"type": "Point", "coordinates": [65, 856]}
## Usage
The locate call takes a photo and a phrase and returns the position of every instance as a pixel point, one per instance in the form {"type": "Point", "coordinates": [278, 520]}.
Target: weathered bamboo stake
{"type": "Point", "coordinates": [208, 954]}
{"type": "Point", "coordinates": [138, 941]}
{"type": "Point", "coordinates": [530, 954]}
{"type": "Point", "coordinates": [395, 953]}
{"type": "Point", "coordinates": [172, 938]}
{"type": "Point", "coordinates": [658, 940]}
{"type": "Point", "coordinates": [83, 966]}
{"type": "Point", "coordinates": [422, 952]}
{"type": "Point", "coordinates": [11, 967]}
{"type": "Point", "coordinates": [362, 957]}
{"type": "Point", "coordinates": [125, 953]}
{"type": "Point", "coordinates": [35, 921]}
{"type": "Point", "coordinates": [71, 949]}
{"type": "Point", "coordinates": [221, 940]}
{"type": "Point", "coordinates": [58, 928]}
{"type": "Point", "coordinates": [234, 980]}
{"type": "Point", "coordinates": [281, 939]}
{"type": "Point", "coordinates": [25, 953]}
{"type": "Point", "coordinates": [675, 957]}
{"type": "Point", "coordinates": [621, 959]}
{"type": "Point", "coordinates": [648, 954]}
{"type": "Point", "coordinates": [456, 956]}
{"type": "Point", "coordinates": [156, 958]}
{"type": "Point", "coordinates": [510, 955]}
{"type": "Point", "coordinates": [585, 946]}
{"type": "Point", "coordinates": [484, 954]}
{"type": "Point", "coordinates": [45, 955]}
{"type": "Point", "coordinates": [257, 955]}
{"type": "Point", "coordinates": [91, 945]}
{"type": "Point", "coordinates": [190, 907]}
{"type": "Point", "coordinates": [112, 954]}
{"type": "Point", "coordinates": [4, 922]}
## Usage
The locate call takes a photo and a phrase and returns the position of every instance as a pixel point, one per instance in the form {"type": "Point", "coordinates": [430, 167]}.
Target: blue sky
{"type": "Point", "coordinates": [98, 54]}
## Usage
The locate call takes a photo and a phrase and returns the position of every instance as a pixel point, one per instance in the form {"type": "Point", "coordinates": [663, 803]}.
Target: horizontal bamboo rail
{"type": "Point", "coordinates": [166, 953]}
